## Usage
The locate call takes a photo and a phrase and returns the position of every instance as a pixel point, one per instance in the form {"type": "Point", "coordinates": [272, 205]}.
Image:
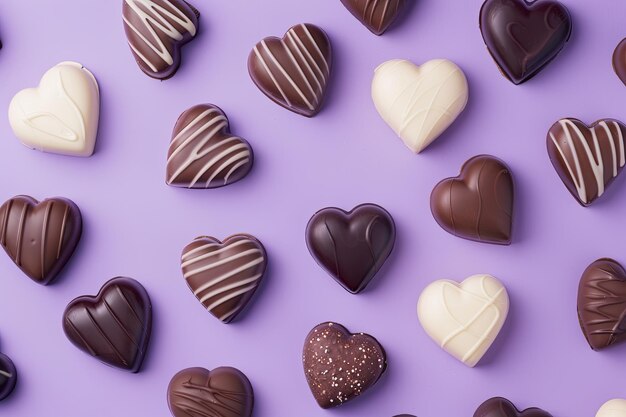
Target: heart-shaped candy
{"type": "Point", "coordinates": [501, 407]}
{"type": "Point", "coordinates": [619, 60]}
{"type": "Point", "coordinates": [419, 102]}
{"type": "Point", "coordinates": [61, 115]}
{"type": "Point", "coordinates": [8, 376]}
{"type": "Point", "coordinates": [376, 15]}
{"type": "Point", "coordinates": [464, 319]}
{"type": "Point", "coordinates": [613, 408]}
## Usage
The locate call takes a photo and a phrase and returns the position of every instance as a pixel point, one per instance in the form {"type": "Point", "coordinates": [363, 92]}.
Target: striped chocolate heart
{"type": "Point", "coordinates": [587, 158]}
{"type": "Point", "coordinates": [203, 153]}
{"type": "Point", "coordinates": [8, 376]}
{"type": "Point", "coordinates": [293, 71]}
{"type": "Point", "coordinates": [376, 15]}
{"type": "Point", "coordinates": [224, 275]}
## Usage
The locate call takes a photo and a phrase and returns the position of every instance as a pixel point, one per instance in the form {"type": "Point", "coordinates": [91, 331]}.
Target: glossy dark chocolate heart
{"type": "Point", "coordinates": [376, 15]}
{"type": "Point", "coordinates": [222, 392]}
{"type": "Point", "coordinates": [351, 246]}
{"type": "Point", "coordinates": [522, 36]}
{"type": "Point", "coordinates": [478, 204]}
{"type": "Point", "coordinates": [8, 376]}
{"type": "Point", "coordinates": [619, 60]}
{"type": "Point", "coordinates": [501, 407]}
{"type": "Point", "coordinates": [114, 326]}
{"type": "Point", "coordinates": [40, 237]}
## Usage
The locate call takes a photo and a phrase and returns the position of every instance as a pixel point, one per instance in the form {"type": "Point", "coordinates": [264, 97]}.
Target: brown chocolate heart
{"type": "Point", "coordinates": [340, 366]}
{"type": "Point", "coordinates": [501, 407]}
{"type": "Point", "coordinates": [376, 15]}
{"type": "Point", "coordinates": [478, 204]}
{"type": "Point", "coordinates": [224, 275]}
{"type": "Point", "coordinates": [40, 237]}
{"type": "Point", "coordinates": [222, 392]}
{"type": "Point", "coordinates": [293, 71]}
{"type": "Point", "coordinates": [203, 153]}
{"type": "Point", "coordinates": [619, 60]}
{"type": "Point", "coordinates": [114, 326]}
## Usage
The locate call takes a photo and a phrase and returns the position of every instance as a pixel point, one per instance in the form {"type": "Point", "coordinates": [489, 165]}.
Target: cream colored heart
{"type": "Point", "coordinates": [61, 114]}
{"type": "Point", "coordinates": [613, 408]}
{"type": "Point", "coordinates": [419, 102]}
{"type": "Point", "coordinates": [464, 319]}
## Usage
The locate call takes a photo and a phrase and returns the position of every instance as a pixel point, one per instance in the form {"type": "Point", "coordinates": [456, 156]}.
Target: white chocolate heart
{"type": "Point", "coordinates": [61, 114]}
{"type": "Point", "coordinates": [419, 102]}
{"type": "Point", "coordinates": [464, 319]}
{"type": "Point", "coordinates": [613, 408]}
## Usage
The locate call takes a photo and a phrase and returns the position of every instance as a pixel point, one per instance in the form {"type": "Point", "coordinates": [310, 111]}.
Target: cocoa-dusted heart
{"type": "Point", "coordinates": [203, 153]}
{"type": "Point", "coordinates": [224, 275]}
{"type": "Point", "coordinates": [114, 326]}
{"type": "Point", "coordinates": [222, 392]}
{"type": "Point", "coordinates": [8, 376]}
{"type": "Point", "coordinates": [587, 158]}
{"type": "Point", "coordinates": [376, 15]}
{"type": "Point", "coordinates": [351, 246]}
{"type": "Point", "coordinates": [340, 366]}
{"type": "Point", "coordinates": [293, 71]}
{"type": "Point", "coordinates": [156, 31]}
{"type": "Point", "coordinates": [501, 407]}
{"type": "Point", "coordinates": [523, 36]}
{"type": "Point", "coordinates": [602, 303]}
{"type": "Point", "coordinates": [619, 60]}
{"type": "Point", "coordinates": [478, 204]}
{"type": "Point", "coordinates": [40, 237]}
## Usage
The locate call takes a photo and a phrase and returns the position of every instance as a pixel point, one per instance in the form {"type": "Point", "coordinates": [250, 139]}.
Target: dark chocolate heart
{"type": "Point", "coordinates": [203, 153]}
{"type": "Point", "coordinates": [376, 15]}
{"type": "Point", "coordinates": [8, 376]}
{"type": "Point", "coordinates": [501, 407]}
{"type": "Point", "coordinates": [114, 326]}
{"type": "Point", "coordinates": [522, 36]}
{"type": "Point", "coordinates": [40, 237]}
{"type": "Point", "coordinates": [340, 366]}
{"type": "Point", "coordinates": [351, 246]}
{"type": "Point", "coordinates": [478, 204]}
{"type": "Point", "coordinates": [156, 30]}
{"type": "Point", "coordinates": [222, 392]}
{"type": "Point", "coordinates": [619, 60]}
{"type": "Point", "coordinates": [293, 71]}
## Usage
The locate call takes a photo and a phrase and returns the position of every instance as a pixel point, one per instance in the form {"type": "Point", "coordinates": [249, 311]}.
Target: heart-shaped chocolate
{"type": "Point", "coordinates": [156, 31]}
{"type": "Point", "coordinates": [222, 392]}
{"type": "Point", "coordinates": [376, 15]}
{"type": "Point", "coordinates": [40, 237]}
{"type": "Point", "coordinates": [501, 407]}
{"type": "Point", "coordinates": [203, 153]}
{"type": "Point", "coordinates": [293, 71]}
{"type": "Point", "coordinates": [224, 275]}
{"type": "Point", "coordinates": [587, 158]}
{"type": "Point", "coordinates": [114, 326]}
{"type": "Point", "coordinates": [351, 246]}
{"type": "Point", "coordinates": [619, 60]}
{"type": "Point", "coordinates": [613, 408]}
{"type": "Point", "coordinates": [523, 36]}
{"type": "Point", "coordinates": [478, 204]}
{"type": "Point", "coordinates": [340, 366]}
{"type": "Point", "coordinates": [8, 376]}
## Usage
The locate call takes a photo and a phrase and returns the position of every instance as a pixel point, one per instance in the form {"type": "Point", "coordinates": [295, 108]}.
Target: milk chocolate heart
{"type": "Point", "coordinates": [8, 376]}
{"type": "Point", "coordinates": [222, 392]}
{"type": "Point", "coordinates": [376, 15]}
{"type": "Point", "coordinates": [224, 275]}
{"type": "Point", "coordinates": [114, 326]}
{"type": "Point", "coordinates": [351, 246]}
{"type": "Point", "coordinates": [501, 407]}
{"type": "Point", "coordinates": [340, 366]}
{"type": "Point", "coordinates": [293, 71]}
{"type": "Point", "coordinates": [478, 204]}
{"type": "Point", "coordinates": [619, 60]}
{"type": "Point", "coordinates": [523, 36]}
{"type": "Point", "coordinates": [40, 237]}
{"type": "Point", "coordinates": [587, 158]}
{"type": "Point", "coordinates": [613, 408]}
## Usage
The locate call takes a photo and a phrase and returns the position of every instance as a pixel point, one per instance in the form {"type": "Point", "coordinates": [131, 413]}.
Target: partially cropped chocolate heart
{"type": "Point", "coordinates": [376, 15]}
{"type": "Point", "coordinates": [222, 392]}
{"type": "Point", "coordinates": [478, 204]}
{"type": "Point", "coordinates": [619, 60]}
{"type": "Point", "coordinates": [114, 326]}
{"type": "Point", "coordinates": [501, 407]}
{"type": "Point", "coordinates": [40, 237]}
{"type": "Point", "coordinates": [340, 366]}
{"type": "Point", "coordinates": [8, 376]}
{"type": "Point", "coordinates": [293, 71]}
{"type": "Point", "coordinates": [523, 36]}
{"type": "Point", "coordinates": [351, 246]}
{"type": "Point", "coordinates": [203, 153]}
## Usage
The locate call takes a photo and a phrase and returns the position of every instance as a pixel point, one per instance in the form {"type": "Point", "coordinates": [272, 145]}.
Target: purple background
{"type": "Point", "coordinates": [136, 226]}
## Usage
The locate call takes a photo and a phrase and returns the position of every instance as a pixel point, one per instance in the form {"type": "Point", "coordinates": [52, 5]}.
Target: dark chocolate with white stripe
{"type": "Point", "coordinates": [114, 326]}
{"type": "Point", "coordinates": [40, 237]}
{"type": "Point", "coordinates": [8, 376]}
{"type": "Point", "coordinates": [293, 71]}
{"type": "Point", "coordinates": [501, 407]}
{"type": "Point", "coordinates": [376, 15]}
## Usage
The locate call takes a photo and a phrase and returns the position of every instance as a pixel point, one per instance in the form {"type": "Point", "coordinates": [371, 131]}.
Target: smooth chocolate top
{"type": "Point", "coordinates": [8, 376]}
{"type": "Point", "coordinates": [376, 15]}
{"type": "Point", "coordinates": [501, 407]}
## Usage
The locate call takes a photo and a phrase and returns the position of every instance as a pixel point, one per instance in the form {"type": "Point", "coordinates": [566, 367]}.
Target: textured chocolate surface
{"type": "Point", "coordinates": [224, 275]}
{"type": "Point", "coordinates": [501, 407]}
{"type": "Point", "coordinates": [376, 15]}
{"type": "Point", "coordinates": [156, 30]}
{"type": "Point", "coordinates": [203, 153]}
{"type": "Point", "coordinates": [523, 37]}
{"type": "Point", "coordinates": [114, 326]}
{"type": "Point", "coordinates": [8, 376]}
{"type": "Point", "coordinates": [351, 246]}
{"type": "Point", "coordinates": [602, 303]}
{"type": "Point", "coordinates": [619, 60]}
{"type": "Point", "coordinates": [293, 71]}
{"type": "Point", "coordinates": [478, 204]}
{"type": "Point", "coordinates": [40, 237]}
{"type": "Point", "coordinates": [222, 392]}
